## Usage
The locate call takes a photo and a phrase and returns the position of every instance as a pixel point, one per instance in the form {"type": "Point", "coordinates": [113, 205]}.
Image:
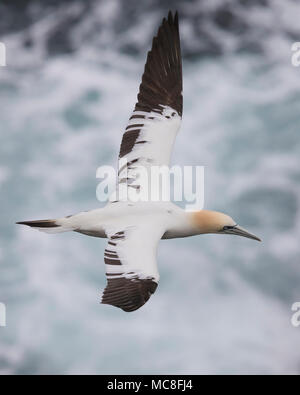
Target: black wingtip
{"type": "Point", "coordinates": [173, 19]}
{"type": "Point", "coordinates": [128, 294]}
{"type": "Point", "coordinates": [162, 79]}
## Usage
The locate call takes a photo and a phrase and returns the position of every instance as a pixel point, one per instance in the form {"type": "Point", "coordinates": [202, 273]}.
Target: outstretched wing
{"type": "Point", "coordinates": [153, 126]}
{"type": "Point", "coordinates": [131, 269]}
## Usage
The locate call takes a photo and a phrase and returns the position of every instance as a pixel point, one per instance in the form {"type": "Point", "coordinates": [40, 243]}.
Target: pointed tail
{"type": "Point", "coordinates": [47, 225]}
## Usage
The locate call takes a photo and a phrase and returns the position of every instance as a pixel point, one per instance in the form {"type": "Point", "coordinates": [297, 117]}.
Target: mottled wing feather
{"type": "Point", "coordinates": [153, 126]}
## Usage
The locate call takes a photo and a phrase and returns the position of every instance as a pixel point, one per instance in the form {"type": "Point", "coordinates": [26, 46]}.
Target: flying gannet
{"type": "Point", "coordinates": [133, 229]}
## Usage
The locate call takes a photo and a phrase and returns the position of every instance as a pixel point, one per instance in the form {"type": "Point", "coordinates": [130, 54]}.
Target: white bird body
{"type": "Point", "coordinates": [134, 228]}
{"type": "Point", "coordinates": [175, 221]}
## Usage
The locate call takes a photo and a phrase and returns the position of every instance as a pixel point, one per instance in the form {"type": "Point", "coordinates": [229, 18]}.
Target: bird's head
{"type": "Point", "coordinates": [207, 221]}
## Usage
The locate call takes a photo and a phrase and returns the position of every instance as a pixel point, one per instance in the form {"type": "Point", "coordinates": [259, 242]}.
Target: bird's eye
{"type": "Point", "coordinates": [228, 227]}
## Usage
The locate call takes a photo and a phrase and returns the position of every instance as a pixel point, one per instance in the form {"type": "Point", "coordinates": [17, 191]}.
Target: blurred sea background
{"type": "Point", "coordinates": [223, 304]}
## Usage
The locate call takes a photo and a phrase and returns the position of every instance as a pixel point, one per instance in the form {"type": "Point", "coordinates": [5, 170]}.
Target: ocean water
{"type": "Point", "coordinates": [223, 304]}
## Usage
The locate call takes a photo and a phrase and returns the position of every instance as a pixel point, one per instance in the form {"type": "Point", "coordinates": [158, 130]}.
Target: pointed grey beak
{"type": "Point", "coordinates": [239, 231]}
